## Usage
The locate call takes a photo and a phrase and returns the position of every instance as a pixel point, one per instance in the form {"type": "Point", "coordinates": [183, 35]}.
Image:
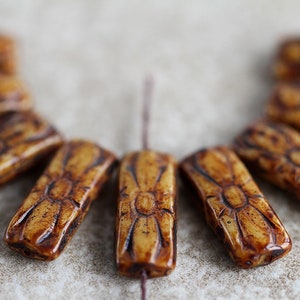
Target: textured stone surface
{"type": "Point", "coordinates": [84, 62]}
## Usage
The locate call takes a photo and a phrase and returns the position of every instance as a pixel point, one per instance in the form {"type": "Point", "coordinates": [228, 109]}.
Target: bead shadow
{"type": "Point", "coordinates": [102, 227]}
{"type": "Point", "coordinates": [12, 195]}
{"type": "Point", "coordinates": [14, 192]}
{"type": "Point", "coordinates": [202, 239]}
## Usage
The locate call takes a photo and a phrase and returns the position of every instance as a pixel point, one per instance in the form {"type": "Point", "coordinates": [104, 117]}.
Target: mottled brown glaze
{"type": "Point", "coordinates": [7, 55]}
{"type": "Point", "coordinates": [59, 201]}
{"type": "Point", "coordinates": [13, 95]}
{"type": "Point", "coordinates": [146, 215]}
{"type": "Point", "coordinates": [287, 62]}
{"type": "Point", "coordinates": [25, 138]}
{"type": "Point", "coordinates": [284, 104]}
{"type": "Point", "coordinates": [272, 150]}
{"type": "Point", "coordinates": [235, 208]}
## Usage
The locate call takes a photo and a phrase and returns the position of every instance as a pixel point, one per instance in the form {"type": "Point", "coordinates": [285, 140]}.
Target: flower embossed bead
{"type": "Point", "coordinates": [25, 138]}
{"type": "Point", "coordinates": [59, 201]}
{"type": "Point", "coordinates": [235, 208]}
{"type": "Point", "coordinates": [146, 216]}
{"type": "Point", "coordinates": [272, 150]}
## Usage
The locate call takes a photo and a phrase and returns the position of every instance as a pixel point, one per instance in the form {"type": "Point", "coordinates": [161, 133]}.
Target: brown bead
{"type": "Point", "coordinates": [273, 152]}
{"type": "Point", "coordinates": [284, 104]}
{"type": "Point", "coordinates": [13, 95]}
{"type": "Point", "coordinates": [235, 208]}
{"type": "Point", "coordinates": [7, 55]}
{"type": "Point", "coordinates": [287, 62]}
{"type": "Point", "coordinates": [59, 201]}
{"type": "Point", "coordinates": [146, 215]}
{"type": "Point", "coordinates": [25, 138]}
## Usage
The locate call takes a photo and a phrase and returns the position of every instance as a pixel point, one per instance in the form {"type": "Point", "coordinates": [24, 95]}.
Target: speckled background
{"type": "Point", "coordinates": [84, 62]}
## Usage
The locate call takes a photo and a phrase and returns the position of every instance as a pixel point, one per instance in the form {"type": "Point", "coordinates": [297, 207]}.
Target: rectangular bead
{"type": "Point", "coordinates": [25, 138]}
{"type": "Point", "coordinates": [146, 214]}
{"type": "Point", "coordinates": [272, 150]}
{"type": "Point", "coordinates": [235, 208]}
{"type": "Point", "coordinates": [287, 61]}
{"type": "Point", "coordinates": [59, 201]}
{"type": "Point", "coordinates": [13, 95]}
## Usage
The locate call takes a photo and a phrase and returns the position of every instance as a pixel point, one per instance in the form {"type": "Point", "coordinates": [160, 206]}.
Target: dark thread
{"type": "Point", "coordinates": [143, 284]}
{"type": "Point", "coordinates": [147, 97]}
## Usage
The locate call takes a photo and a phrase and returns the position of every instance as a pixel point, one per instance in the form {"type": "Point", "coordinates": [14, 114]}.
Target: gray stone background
{"type": "Point", "coordinates": [84, 62]}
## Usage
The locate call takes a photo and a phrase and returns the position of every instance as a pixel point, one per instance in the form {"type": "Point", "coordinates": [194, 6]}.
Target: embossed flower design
{"type": "Point", "coordinates": [235, 207]}
{"type": "Point", "coordinates": [275, 151]}
{"type": "Point", "coordinates": [146, 209]}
